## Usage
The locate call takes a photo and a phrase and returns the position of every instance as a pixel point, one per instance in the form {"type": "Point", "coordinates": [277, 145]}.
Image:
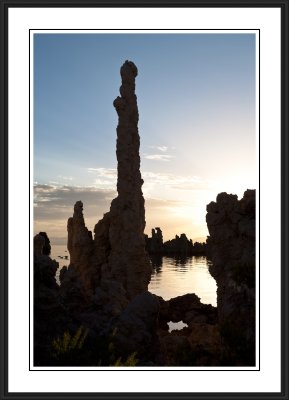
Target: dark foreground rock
{"type": "Point", "coordinates": [110, 330]}
{"type": "Point", "coordinates": [231, 224]}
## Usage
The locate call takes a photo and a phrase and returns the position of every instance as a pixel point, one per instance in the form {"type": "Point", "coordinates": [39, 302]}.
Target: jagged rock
{"type": "Point", "coordinates": [180, 245]}
{"type": "Point", "coordinates": [50, 316]}
{"type": "Point", "coordinates": [128, 260]}
{"type": "Point", "coordinates": [79, 242]}
{"type": "Point", "coordinates": [199, 344]}
{"type": "Point", "coordinates": [205, 343]}
{"type": "Point", "coordinates": [154, 245]}
{"type": "Point", "coordinates": [45, 270]}
{"type": "Point", "coordinates": [231, 224]}
{"type": "Point", "coordinates": [81, 248]}
{"type": "Point", "coordinates": [199, 249]}
{"type": "Point", "coordinates": [38, 243]}
{"type": "Point", "coordinates": [135, 329]}
{"type": "Point", "coordinates": [47, 247]}
{"type": "Point", "coordinates": [175, 349]}
{"type": "Point", "coordinates": [187, 308]}
{"type": "Point", "coordinates": [117, 251]}
{"type": "Point", "coordinates": [110, 297]}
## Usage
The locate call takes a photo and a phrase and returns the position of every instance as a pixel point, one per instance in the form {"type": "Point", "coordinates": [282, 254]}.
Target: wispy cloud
{"type": "Point", "coordinates": [162, 156]}
{"type": "Point", "coordinates": [158, 157]}
{"type": "Point", "coordinates": [173, 181]}
{"type": "Point", "coordinates": [107, 172]}
{"type": "Point", "coordinates": [160, 148]}
{"type": "Point", "coordinates": [104, 177]}
{"type": "Point", "coordinates": [65, 178]}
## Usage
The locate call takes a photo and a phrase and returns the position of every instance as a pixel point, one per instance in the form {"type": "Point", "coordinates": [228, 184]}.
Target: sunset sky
{"type": "Point", "coordinates": [196, 99]}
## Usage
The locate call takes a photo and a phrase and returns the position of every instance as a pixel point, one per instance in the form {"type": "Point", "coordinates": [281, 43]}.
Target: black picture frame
{"type": "Point", "coordinates": [5, 5]}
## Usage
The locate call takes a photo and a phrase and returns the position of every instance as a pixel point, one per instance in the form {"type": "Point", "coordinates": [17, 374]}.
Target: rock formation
{"type": "Point", "coordinates": [197, 344]}
{"type": "Point", "coordinates": [155, 243]}
{"type": "Point", "coordinates": [81, 249]}
{"type": "Point", "coordinates": [231, 224]}
{"type": "Point", "coordinates": [117, 251]}
{"type": "Point", "coordinates": [128, 261]}
{"type": "Point", "coordinates": [104, 291]}
{"type": "Point", "coordinates": [136, 327]}
{"type": "Point", "coordinates": [187, 308]}
{"type": "Point", "coordinates": [38, 244]}
{"type": "Point", "coordinates": [180, 245]}
{"type": "Point", "coordinates": [50, 317]}
{"type": "Point", "coordinates": [47, 247]}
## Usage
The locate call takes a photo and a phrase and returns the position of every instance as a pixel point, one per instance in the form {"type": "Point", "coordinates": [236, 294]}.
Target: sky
{"type": "Point", "coordinates": [197, 125]}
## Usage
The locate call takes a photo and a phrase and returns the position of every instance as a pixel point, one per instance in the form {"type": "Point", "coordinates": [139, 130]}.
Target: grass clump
{"type": "Point", "coordinates": [79, 349]}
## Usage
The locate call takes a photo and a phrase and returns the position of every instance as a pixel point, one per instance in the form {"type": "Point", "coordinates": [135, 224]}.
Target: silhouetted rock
{"type": "Point", "coordinates": [154, 245]}
{"type": "Point", "coordinates": [135, 329]}
{"type": "Point", "coordinates": [231, 224]}
{"type": "Point", "coordinates": [175, 349]}
{"type": "Point", "coordinates": [128, 261]}
{"type": "Point", "coordinates": [81, 249]}
{"type": "Point", "coordinates": [182, 245]}
{"type": "Point", "coordinates": [187, 308]}
{"type": "Point", "coordinates": [38, 244]}
{"type": "Point", "coordinates": [199, 344]}
{"type": "Point", "coordinates": [47, 247]}
{"type": "Point", "coordinates": [205, 344]}
{"type": "Point", "coordinates": [117, 252]}
{"type": "Point", "coordinates": [199, 249]}
{"type": "Point", "coordinates": [104, 290]}
{"type": "Point", "coordinates": [50, 316]}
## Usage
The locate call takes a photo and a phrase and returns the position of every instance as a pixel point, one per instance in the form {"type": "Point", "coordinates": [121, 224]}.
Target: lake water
{"type": "Point", "coordinates": [176, 276]}
{"type": "Point", "coordinates": [171, 277]}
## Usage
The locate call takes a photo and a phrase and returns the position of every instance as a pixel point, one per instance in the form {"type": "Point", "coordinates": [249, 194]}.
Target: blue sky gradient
{"type": "Point", "coordinates": [196, 98]}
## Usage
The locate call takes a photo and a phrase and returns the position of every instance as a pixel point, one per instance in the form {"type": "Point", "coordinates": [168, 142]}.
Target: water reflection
{"type": "Point", "coordinates": [157, 262]}
{"type": "Point", "coordinates": [176, 276]}
{"type": "Point", "coordinates": [171, 276]}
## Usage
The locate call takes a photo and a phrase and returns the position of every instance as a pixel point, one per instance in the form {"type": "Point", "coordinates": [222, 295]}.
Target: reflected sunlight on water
{"type": "Point", "coordinates": [176, 276]}
{"type": "Point", "coordinates": [171, 277]}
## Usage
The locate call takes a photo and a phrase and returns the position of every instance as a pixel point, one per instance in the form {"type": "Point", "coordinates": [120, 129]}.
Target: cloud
{"type": "Point", "coordinates": [53, 205]}
{"type": "Point", "coordinates": [160, 148]}
{"type": "Point", "coordinates": [178, 182]}
{"type": "Point", "coordinates": [65, 178]}
{"type": "Point", "coordinates": [158, 157]}
{"type": "Point", "coordinates": [104, 177]}
{"type": "Point", "coordinates": [52, 202]}
{"type": "Point", "coordinates": [106, 172]}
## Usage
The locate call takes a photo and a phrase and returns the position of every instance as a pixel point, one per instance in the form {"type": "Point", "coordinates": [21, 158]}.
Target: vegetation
{"type": "Point", "coordinates": [80, 350]}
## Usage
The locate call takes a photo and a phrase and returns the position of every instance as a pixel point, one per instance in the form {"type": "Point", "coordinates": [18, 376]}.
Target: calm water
{"type": "Point", "coordinates": [175, 276]}
{"type": "Point", "coordinates": [58, 253]}
{"type": "Point", "coordinates": [171, 276]}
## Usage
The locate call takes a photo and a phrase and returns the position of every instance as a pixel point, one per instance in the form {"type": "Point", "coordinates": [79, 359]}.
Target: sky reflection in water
{"type": "Point", "coordinates": [176, 276]}
{"type": "Point", "coordinates": [171, 277]}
